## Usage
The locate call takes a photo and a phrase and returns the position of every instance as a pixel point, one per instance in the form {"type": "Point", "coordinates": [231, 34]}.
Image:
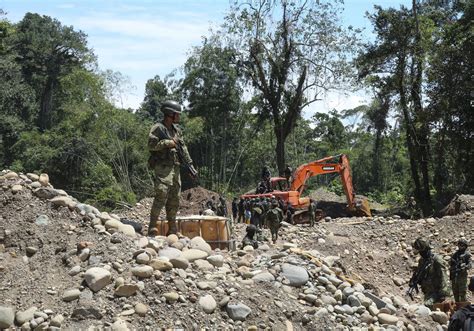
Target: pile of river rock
{"type": "Point", "coordinates": [126, 280]}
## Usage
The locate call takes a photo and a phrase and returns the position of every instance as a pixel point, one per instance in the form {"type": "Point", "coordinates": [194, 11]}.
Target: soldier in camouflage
{"type": "Point", "coordinates": [249, 239]}
{"type": "Point", "coordinates": [273, 219]}
{"type": "Point", "coordinates": [431, 274]}
{"type": "Point", "coordinates": [459, 266]}
{"type": "Point", "coordinates": [312, 212]}
{"type": "Point", "coordinates": [166, 166]}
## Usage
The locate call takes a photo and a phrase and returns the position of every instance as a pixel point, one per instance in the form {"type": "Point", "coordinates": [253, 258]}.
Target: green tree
{"type": "Point", "coordinates": [46, 51]}
{"type": "Point", "coordinates": [291, 52]}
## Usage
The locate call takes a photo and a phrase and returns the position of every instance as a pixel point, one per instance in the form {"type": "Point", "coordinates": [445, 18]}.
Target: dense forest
{"type": "Point", "coordinates": [246, 88]}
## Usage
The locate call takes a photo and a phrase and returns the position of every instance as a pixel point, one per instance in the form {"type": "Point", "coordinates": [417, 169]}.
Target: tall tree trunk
{"type": "Point", "coordinates": [422, 135]}
{"type": "Point", "coordinates": [408, 126]}
{"type": "Point", "coordinates": [46, 105]}
{"type": "Point", "coordinates": [280, 148]}
{"type": "Point", "coordinates": [376, 160]}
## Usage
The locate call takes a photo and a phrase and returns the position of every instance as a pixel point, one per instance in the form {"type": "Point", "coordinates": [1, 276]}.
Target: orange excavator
{"type": "Point", "coordinates": [292, 193]}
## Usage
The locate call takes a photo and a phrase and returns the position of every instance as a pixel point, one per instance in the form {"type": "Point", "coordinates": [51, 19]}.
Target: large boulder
{"type": "Point", "coordinates": [201, 244]}
{"type": "Point", "coordinates": [297, 276]}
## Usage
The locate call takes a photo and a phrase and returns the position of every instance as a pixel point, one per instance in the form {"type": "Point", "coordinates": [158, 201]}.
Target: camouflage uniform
{"type": "Point", "coordinates": [249, 237]}
{"type": "Point", "coordinates": [460, 263]}
{"type": "Point", "coordinates": [165, 164]}
{"type": "Point", "coordinates": [434, 282]}
{"type": "Point", "coordinates": [273, 218]}
{"type": "Point", "coordinates": [312, 212]}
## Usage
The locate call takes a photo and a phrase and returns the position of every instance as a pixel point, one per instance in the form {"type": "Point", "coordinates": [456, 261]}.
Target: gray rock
{"type": "Point", "coordinates": [141, 309]}
{"type": "Point", "coordinates": [387, 319]}
{"type": "Point", "coordinates": [353, 301]}
{"type": "Point", "coordinates": [45, 193]}
{"type": "Point", "coordinates": [120, 325]}
{"type": "Point", "coordinates": [71, 295]}
{"type": "Point", "coordinates": [57, 321]}
{"type": "Point", "coordinates": [180, 263]}
{"type": "Point", "coordinates": [87, 310]}
{"type": "Point", "coordinates": [420, 310]}
{"type": "Point", "coordinates": [171, 297]}
{"type": "Point", "coordinates": [203, 265]}
{"type": "Point", "coordinates": [84, 254]}
{"type": "Point", "coordinates": [440, 317]}
{"type": "Point", "coordinates": [126, 290]}
{"type": "Point", "coordinates": [224, 301]}
{"type": "Point", "coordinates": [194, 254]}
{"type": "Point", "coordinates": [144, 271]}
{"type": "Point", "coordinates": [22, 317]}
{"type": "Point", "coordinates": [74, 270]}
{"type": "Point", "coordinates": [328, 300]}
{"type": "Point", "coordinates": [238, 312]}
{"type": "Point", "coordinates": [161, 265]}
{"type": "Point", "coordinates": [297, 276]}
{"type": "Point", "coordinates": [378, 302]}
{"type": "Point", "coordinates": [7, 317]}
{"type": "Point", "coordinates": [208, 303]}
{"type": "Point", "coordinates": [216, 260]}
{"type": "Point", "coordinates": [63, 202]}
{"type": "Point", "coordinates": [263, 277]}
{"type": "Point", "coordinates": [143, 258]}
{"type": "Point", "coordinates": [97, 278]}
{"type": "Point", "coordinates": [169, 252]}
{"type": "Point", "coordinates": [311, 298]}
{"type": "Point", "coordinates": [17, 188]}
{"type": "Point", "coordinates": [201, 244]}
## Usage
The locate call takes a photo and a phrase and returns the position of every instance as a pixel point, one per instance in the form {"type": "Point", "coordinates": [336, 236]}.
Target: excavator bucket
{"type": "Point", "coordinates": [363, 208]}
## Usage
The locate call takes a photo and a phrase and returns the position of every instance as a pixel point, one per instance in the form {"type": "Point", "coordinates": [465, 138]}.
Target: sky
{"type": "Point", "coordinates": [145, 38]}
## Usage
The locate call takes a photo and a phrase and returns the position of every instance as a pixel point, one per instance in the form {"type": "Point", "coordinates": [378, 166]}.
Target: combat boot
{"type": "Point", "coordinates": [152, 230]}
{"type": "Point", "coordinates": [172, 228]}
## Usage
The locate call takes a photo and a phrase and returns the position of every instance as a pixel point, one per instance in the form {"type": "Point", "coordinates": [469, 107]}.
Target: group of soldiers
{"type": "Point", "coordinates": [432, 276]}
{"type": "Point", "coordinates": [266, 212]}
{"type": "Point", "coordinates": [218, 208]}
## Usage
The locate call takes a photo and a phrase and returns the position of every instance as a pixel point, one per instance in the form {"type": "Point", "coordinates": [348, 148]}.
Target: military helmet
{"type": "Point", "coordinates": [463, 242]}
{"type": "Point", "coordinates": [421, 245]}
{"type": "Point", "coordinates": [170, 107]}
{"type": "Point", "coordinates": [274, 203]}
{"type": "Point", "coordinates": [251, 229]}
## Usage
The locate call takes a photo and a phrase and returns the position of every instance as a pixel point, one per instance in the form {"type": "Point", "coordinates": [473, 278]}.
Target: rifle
{"type": "Point", "coordinates": [180, 151]}
{"type": "Point", "coordinates": [459, 266]}
{"type": "Point", "coordinates": [418, 276]}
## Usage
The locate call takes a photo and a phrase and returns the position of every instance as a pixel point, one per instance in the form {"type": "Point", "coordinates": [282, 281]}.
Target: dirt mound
{"type": "Point", "coordinates": [192, 201]}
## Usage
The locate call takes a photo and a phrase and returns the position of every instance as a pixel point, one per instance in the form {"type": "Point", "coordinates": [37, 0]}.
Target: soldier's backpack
{"type": "Point", "coordinates": [469, 322]}
{"type": "Point", "coordinates": [272, 215]}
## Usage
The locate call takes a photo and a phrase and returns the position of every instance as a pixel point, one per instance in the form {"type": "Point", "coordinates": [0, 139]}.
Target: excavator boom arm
{"type": "Point", "coordinates": [326, 165]}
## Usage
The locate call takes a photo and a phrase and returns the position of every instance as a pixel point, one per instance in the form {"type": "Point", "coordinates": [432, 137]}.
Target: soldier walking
{"type": "Point", "coordinates": [235, 208]}
{"type": "Point", "coordinates": [164, 143]}
{"type": "Point", "coordinates": [312, 212]}
{"type": "Point", "coordinates": [459, 266]}
{"type": "Point", "coordinates": [431, 275]}
{"type": "Point", "coordinates": [273, 219]}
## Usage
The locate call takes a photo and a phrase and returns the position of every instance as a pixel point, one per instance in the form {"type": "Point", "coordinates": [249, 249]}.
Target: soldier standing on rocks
{"type": "Point", "coordinates": [235, 208]}
{"type": "Point", "coordinates": [431, 275]}
{"type": "Point", "coordinates": [273, 219]}
{"type": "Point", "coordinates": [164, 141]}
{"type": "Point", "coordinates": [312, 212]}
{"type": "Point", "coordinates": [459, 265]}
